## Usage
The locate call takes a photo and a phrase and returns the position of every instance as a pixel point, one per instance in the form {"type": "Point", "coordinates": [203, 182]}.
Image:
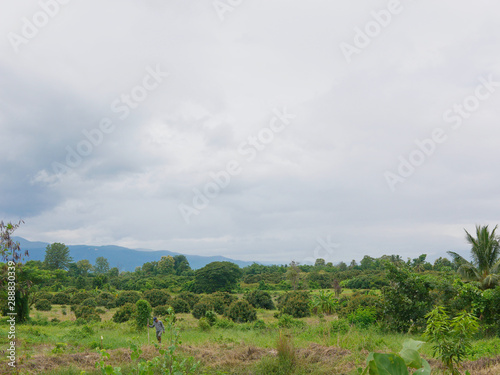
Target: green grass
{"type": "Point", "coordinates": [44, 336]}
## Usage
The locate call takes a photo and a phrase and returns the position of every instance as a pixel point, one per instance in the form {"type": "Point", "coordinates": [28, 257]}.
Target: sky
{"type": "Point", "coordinates": [264, 130]}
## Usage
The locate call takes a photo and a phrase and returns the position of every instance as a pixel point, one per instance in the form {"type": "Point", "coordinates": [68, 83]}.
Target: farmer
{"type": "Point", "coordinates": [159, 328]}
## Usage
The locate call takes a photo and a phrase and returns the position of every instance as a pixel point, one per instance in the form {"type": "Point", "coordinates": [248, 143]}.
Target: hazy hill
{"type": "Point", "coordinates": [122, 257]}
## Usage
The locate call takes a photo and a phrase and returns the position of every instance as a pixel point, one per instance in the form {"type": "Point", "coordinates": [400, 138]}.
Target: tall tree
{"type": "Point", "coordinates": [217, 276]}
{"type": "Point", "coordinates": [15, 280]}
{"type": "Point", "coordinates": [84, 267]}
{"type": "Point", "coordinates": [101, 265]}
{"type": "Point", "coordinates": [57, 256]}
{"type": "Point", "coordinates": [292, 274]}
{"type": "Point", "coordinates": [485, 254]}
{"type": "Point", "coordinates": [181, 264]}
{"type": "Point", "coordinates": [166, 265]}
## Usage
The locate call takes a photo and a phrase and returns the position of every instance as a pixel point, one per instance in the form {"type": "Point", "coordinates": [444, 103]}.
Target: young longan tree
{"type": "Point", "coordinates": [143, 314]}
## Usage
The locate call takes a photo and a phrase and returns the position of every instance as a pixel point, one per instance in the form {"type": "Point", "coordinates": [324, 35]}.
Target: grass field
{"type": "Point", "coordinates": [63, 347]}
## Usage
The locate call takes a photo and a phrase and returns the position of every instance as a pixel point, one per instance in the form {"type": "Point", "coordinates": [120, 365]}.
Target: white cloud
{"type": "Point", "coordinates": [321, 176]}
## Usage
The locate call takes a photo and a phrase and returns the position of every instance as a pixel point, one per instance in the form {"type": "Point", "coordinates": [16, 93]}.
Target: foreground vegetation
{"type": "Point", "coordinates": [289, 319]}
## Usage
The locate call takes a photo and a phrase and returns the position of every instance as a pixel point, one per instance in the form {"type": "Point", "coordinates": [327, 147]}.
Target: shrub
{"type": "Point", "coordinates": [44, 295]}
{"type": "Point", "coordinates": [241, 312]}
{"type": "Point", "coordinates": [87, 313]}
{"type": "Point", "coordinates": [288, 321]}
{"type": "Point", "coordinates": [201, 308]}
{"type": "Point", "coordinates": [211, 317]}
{"type": "Point", "coordinates": [143, 314]}
{"type": "Point", "coordinates": [180, 306]}
{"type": "Point", "coordinates": [105, 299]}
{"type": "Point", "coordinates": [156, 297]}
{"type": "Point", "coordinates": [224, 323]}
{"type": "Point", "coordinates": [89, 302]}
{"type": "Point", "coordinates": [362, 317]}
{"type": "Point", "coordinates": [225, 298]}
{"type": "Point", "coordinates": [295, 304]}
{"type": "Point", "coordinates": [61, 298]}
{"type": "Point", "coordinates": [203, 324]}
{"type": "Point", "coordinates": [191, 298]}
{"type": "Point", "coordinates": [451, 337]}
{"type": "Point", "coordinates": [161, 310]}
{"type": "Point", "coordinates": [43, 305]}
{"type": "Point", "coordinates": [124, 313]}
{"type": "Point", "coordinates": [216, 301]}
{"type": "Point", "coordinates": [79, 297]}
{"type": "Point", "coordinates": [127, 297]}
{"type": "Point", "coordinates": [259, 324]}
{"type": "Point", "coordinates": [339, 326]}
{"type": "Point", "coordinates": [260, 299]}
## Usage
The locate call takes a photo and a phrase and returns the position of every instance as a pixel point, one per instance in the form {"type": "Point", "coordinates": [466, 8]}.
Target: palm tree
{"type": "Point", "coordinates": [485, 252]}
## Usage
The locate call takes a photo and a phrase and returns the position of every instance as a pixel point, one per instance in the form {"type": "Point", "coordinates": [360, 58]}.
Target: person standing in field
{"type": "Point", "coordinates": [159, 328]}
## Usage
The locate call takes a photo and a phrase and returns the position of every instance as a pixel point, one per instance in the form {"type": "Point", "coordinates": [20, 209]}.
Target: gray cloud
{"type": "Point", "coordinates": [321, 176]}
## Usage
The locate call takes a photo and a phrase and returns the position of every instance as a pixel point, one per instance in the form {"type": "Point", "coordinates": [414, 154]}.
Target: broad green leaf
{"type": "Point", "coordinates": [411, 357]}
{"type": "Point", "coordinates": [413, 344]}
{"type": "Point", "coordinates": [425, 370]}
{"type": "Point", "coordinates": [388, 364]}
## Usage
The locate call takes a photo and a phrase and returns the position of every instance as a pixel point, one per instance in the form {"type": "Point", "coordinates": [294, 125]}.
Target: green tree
{"type": "Point", "coordinates": [166, 265]}
{"type": "Point", "coordinates": [485, 253]}
{"type": "Point", "coordinates": [57, 256]}
{"type": "Point", "coordinates": [292, 274]}
{"type": "Point", "coordinates": [217, 276]}
{"type": "Point", "coordinates": [19, 288]}
{"type": "Point", "coordinates": [101, 266]}
{"type": "Point", "coordinates": [84, 267]}
{"type": "Point", "coordinates": [406, 299]}
{"type": "Point", "coordinates": [452, 337]}
{"type": "Point", "coordinates": [181, 264]}
{"type": "Point", "coordinates": [320, 262]}
{"type": "Point", "coordinates": [143, 314]}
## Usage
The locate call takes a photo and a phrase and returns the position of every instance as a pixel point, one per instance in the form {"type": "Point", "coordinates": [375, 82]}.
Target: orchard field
{"type": "Point", "coordinates": [404, 316]}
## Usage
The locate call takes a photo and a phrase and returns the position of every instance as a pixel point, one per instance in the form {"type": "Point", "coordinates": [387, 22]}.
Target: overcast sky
{"type": "Point", "coordinates": [259, 130]}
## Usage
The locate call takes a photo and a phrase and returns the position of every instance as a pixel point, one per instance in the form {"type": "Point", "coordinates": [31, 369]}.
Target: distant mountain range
{"type": "Point", "coordinates": [122, 257]}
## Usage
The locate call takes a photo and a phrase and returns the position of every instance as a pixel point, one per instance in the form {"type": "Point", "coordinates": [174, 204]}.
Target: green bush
{"type": "Point", "coordinates": [157, 297]}
{"type": "Point", "coordinates": [205, 304]}
{"type": "Point", "coordinates": [43, 305]}
{"type": "Point", "coordinates": [61, 298]}
{"type": "Point", "coordinates": [211, 317]}
{"type": "Point", "coordinates": [203, 324]}
{"type": "Point", "coordinates": [363, 317]}
{"type": "Point", "coordinates": [161, 310]}
{"type": "Point", "coordinates": [105, 299]}
{"type": "Point", "coordinates": [225, 298]}
{"type": "Point", "coordinates": [79, 297]}
{"type": "Point", "coordinates": [87, 313]}
{"type": "Point", "coordinates": [124, 313]}
{"type": "Point", "coordinates": [89, 302]}
{"type": "Point", "coordinates": [259, 324]}
{"type": "Point", "coordinates": [191, 298]}
{"type": "Point", "coordinates": [127, 297]}
{"type": "Point", "coordinates": [339, 326]}
{"type": "Point", "coordinates": [296, 304]}
{"type": "Point", "coordinates": [224, 323]}
{"type": "Point", "coordinates": [241, 312]}
{"type": "Point", "coordinates": [260, 299]}
{"type": "Point", "coordinates": [44, 295]}
{"type": "Point", "coordinates": [180, 306]}
{"type": "Point", "coordinates": [143, 314]}
{"type": "Point", "coordinates": [288, 321]}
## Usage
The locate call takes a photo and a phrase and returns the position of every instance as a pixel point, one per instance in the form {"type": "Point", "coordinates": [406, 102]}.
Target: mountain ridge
{"type": "Point", "coordinates": [124, 258]}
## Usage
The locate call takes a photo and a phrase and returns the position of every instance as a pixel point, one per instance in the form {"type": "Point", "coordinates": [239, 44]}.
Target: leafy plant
{"type": "Point", "coordinates": [142, 314]}
{"type": "Point", "coordinates": [241, 311]}
{"type": "Point", "coordinates": [451, 336]}
{"type": "Point", "coordinates": [324, 302]}
{"type": "Point", "coordinates": [397, 364]}
{"type": "Point", "coordinates": [43, 305]}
